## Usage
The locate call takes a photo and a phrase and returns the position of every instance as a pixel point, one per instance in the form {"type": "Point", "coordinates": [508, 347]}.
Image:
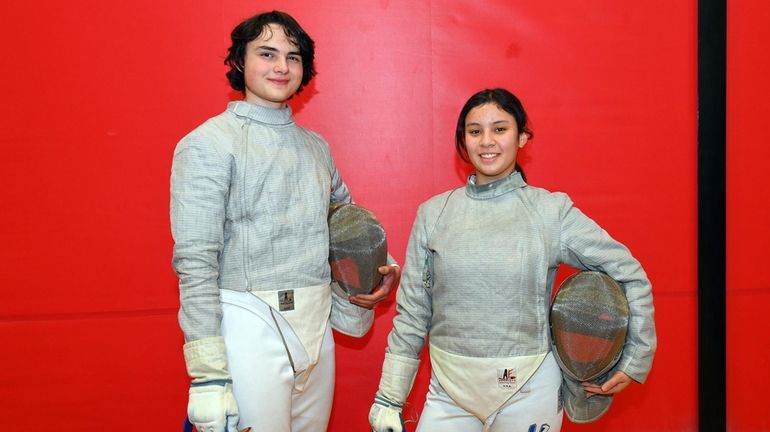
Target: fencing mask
{"type": "Point", "coordinates": [589, 321]}
{"type": "Point", "coordinates": [357, 248]}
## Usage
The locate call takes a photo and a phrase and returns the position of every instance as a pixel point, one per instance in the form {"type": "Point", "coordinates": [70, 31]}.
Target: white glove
{"type": "Point", "coordinates": [211, 406]}
{"type": "Point", "coordinates": [398, 374]}
{"type": "Point", "coordinates": [386, 416]}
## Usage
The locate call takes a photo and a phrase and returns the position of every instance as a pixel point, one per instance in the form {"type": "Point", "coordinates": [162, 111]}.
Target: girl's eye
{"type": "Point", "coordinates": [473, 132]}
{"type": "Point", "coordinates": [500, 129]}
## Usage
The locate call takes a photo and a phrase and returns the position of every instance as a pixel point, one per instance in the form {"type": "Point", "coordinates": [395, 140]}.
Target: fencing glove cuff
{"type": "Point", "coordinates": [398, 374]}
{"type": "Point", "coordinates": [211, 406]}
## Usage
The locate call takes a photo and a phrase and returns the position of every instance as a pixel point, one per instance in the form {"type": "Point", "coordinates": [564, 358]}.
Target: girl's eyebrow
{"type": "Point", "coordinates": [494, 122]}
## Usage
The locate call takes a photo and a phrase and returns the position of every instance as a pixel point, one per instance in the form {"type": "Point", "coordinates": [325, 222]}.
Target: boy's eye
{"type": "Point", "coordinates": [295, 58]}
{"type": "Point", "coordinates": [266, 54]}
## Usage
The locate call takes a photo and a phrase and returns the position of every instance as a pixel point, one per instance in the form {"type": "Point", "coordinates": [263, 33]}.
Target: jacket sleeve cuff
{"type": "Point", "coordinates": [348, 318]}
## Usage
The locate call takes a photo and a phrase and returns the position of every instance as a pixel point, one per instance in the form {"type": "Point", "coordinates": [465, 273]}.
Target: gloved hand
{"type": "Point", "coordinates": [386, 416]}
{"type": "Point", "coordinates": [211, 406]}
{"type": "Point", "coordinates": [398, 374]}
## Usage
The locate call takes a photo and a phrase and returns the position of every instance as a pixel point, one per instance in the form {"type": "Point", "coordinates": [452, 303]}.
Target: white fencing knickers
{"type": "Point", "coordinates": [534, 408]}
{"type": "Point", "coordinates": [266, 387]}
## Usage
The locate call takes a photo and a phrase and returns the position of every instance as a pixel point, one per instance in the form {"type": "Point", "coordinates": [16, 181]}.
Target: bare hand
{"type": "Point", "coordinates": [618, 382]}
{"type": "Point", "coordinates": [391, 278]}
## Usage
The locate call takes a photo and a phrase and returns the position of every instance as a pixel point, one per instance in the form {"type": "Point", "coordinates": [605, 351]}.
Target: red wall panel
{"type": "Point", "coordinates": [97, 94]}
{"type": "Point", "coordinates": [748, 213]}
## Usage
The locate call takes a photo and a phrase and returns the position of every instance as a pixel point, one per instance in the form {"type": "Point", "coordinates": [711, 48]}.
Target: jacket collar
{"type": "Point", "coordinates": [494, 189]}
{"type": "Point", "coordinates": [271, 116]}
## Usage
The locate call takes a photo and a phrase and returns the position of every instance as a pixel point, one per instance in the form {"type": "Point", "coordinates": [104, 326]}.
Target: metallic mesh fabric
{"type": "Point", "coordinates": [589, 321]}
{"type": "Point", "coordinates": [357, 248]}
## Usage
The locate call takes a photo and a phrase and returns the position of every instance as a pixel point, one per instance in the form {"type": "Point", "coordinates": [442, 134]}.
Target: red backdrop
{"type": "Point", "coordinates": [96, 94]}
{"type": "Point", "coordinates": [748, 214]}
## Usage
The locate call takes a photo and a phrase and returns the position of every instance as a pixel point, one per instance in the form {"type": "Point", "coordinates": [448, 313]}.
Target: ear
{"type": "Point", "coordinates": [523, 138]}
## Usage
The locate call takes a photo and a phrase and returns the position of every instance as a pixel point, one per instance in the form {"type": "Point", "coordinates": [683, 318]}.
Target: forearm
{"type": "Point", "coordinates": [199, 190]}
{"type": "Point", "coordinates": [585, 245]}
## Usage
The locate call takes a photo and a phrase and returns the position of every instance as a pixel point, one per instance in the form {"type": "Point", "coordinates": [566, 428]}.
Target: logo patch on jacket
{"type": "Point", "coordinates": [506, 378]}
{"type": "Point", "coordinates": [286, 300]}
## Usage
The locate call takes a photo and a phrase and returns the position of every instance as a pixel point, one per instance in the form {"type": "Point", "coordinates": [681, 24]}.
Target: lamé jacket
{"type": "Point", "coordinates": [250, 193]}
{"type": "Point", "coordinates": [480, 269]}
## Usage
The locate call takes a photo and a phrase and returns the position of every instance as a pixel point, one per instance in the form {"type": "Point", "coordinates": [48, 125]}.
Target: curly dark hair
{"type": "Point", "coordinates": [251, 29]}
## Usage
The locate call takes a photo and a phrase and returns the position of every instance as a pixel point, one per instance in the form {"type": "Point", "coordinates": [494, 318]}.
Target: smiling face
{"type": "Point", "coordinates": [272, 69]}
{"type": "Point", "coordinates": [492, 140]}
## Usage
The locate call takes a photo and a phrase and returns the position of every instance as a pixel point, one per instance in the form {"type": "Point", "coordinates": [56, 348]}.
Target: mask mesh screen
{"type": "Point", "coordinates": [357, 247]}
{"type": "Point", "coordinates": [589, 320]}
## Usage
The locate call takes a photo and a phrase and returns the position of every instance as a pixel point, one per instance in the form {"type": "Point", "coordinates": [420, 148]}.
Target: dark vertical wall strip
{"type": "Point", "coordinates": [711, 214]}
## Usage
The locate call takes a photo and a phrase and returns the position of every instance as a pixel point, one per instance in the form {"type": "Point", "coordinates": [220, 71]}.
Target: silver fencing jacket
{"type": "Point", "coordinates": [480, 269]}
{"type": "Point", "coordinates": [250, 192]}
